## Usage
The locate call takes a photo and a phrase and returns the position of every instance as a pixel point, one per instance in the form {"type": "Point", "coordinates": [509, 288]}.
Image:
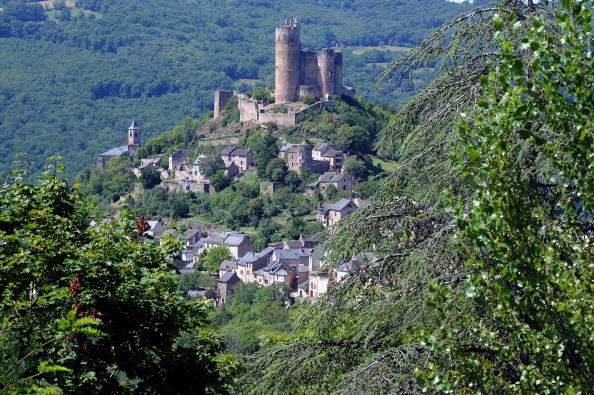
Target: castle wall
{"type": "Point", "coordinates": [309, 90]}
{"type": "Point", "coordinates": [221, 98]}
{"type": "Point", "coordinates": [310, 70]}
{"type": "Point", "coordinates": [248, 109]}
{"type": "Point", "coordinates": [278, 118]}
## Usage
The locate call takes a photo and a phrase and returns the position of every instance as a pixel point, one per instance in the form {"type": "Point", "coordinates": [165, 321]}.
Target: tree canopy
{"type": "Point", "coordinates": [94, 308]}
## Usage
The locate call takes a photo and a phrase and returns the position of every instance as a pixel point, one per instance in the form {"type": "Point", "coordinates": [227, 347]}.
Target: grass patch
{"type": "Point", "coordinates": [385, 164]}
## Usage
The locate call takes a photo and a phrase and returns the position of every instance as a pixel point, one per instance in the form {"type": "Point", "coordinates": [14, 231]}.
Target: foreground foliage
{"type": "Point", "coordinates": [510, 296]}
{"type": "Point", "coordinates": [94, 308]}
{"type": "Point", "coordinates": [527, 234]}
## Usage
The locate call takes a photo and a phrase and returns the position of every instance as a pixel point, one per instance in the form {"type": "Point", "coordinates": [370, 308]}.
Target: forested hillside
{"type": "Point", "coordinates": [73, 79]}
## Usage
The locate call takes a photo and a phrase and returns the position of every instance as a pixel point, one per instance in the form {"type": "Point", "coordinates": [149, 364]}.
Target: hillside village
{"type": "Point", "coordinates": [297, 263]}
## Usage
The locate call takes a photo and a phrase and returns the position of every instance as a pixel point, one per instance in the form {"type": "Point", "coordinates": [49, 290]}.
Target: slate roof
{"type": "Point", "coordinates": [331, 153]}
{"type": "Point", "coordinates": [353, 264]}
{"type": "Point", "coordinates": [341, 204]}
{"type": "Point", "coordinates": [241, 152]}
{"type": "Point", "coordinates": [322, 147]}
{"type": "Point", "coordinates": [154, 162]}
{"type": "Point", "coordinates": [291, 244]}
{"type": "Point", "coordinates": [227, 151]}
{"type": "Point", "coordinates": [226, 265]}
{"type": "Point", "coordinates": [295, 253]}
{"type": "Point", "coordinates": [278, 268]}
{"type": "Point", "coordinates": [152, 224]}
{"type": "Point", "coordinates": [331, 177]}
{"type": "Point", "coordinates": [230, 238]}
{"type": "Point", "coordinates": [117, 151]}
{"type": "Point", "coordinates": [169, 232]}
{"type": "Point", "coordinates": [234, 240]}
{"type": "Point", "coordinates": [229, 278]}
{"type": "Point", "coordinates": [286, 147]}
{"type": "Point", "coordinates": [133, 125]}
{"type": "Point", "coordinates": [190, 233]}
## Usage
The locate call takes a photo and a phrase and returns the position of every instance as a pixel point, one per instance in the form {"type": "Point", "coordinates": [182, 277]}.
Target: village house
{"type": "Point", "coordinates": [276, 272]}
{"type": "Point", "coordinates": [239, 243]}
{"type": "Point", "coordinates": [318, 283]}
{"type": "Point", "coordinates": [251, 262]}
{"type": "Point", "coordinates": [225, 287]}
{"type": "Point", "coordinates": [155, 229]}
{"type": "Point", "coordinates": [196, 173]}
{"type": "Point", "coordinates": [178, 160]}
{"type": "Point", "coordinates": [242, 158]}
{"type": "Point", "coordinates": [299, 157]}
{"type": "Point", "coordinates": [226, 267]}
{"type": "Point", "coordinates": [341, 182]}
{"type": "Point", "coordinates": [330, 214]}
{"type": "Point", "coordinates": [343, 270]}
{"type": "Point", "coordinates": [326, 152]}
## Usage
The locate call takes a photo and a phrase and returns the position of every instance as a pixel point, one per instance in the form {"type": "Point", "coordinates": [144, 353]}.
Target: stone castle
{"type": "Point", "coordinates": [300, 72]}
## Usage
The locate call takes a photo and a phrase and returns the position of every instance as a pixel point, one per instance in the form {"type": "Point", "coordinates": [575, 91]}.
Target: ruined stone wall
{"type": "Point", "coordinates": [221, 98]}
{"type": "Point", "coordinates": [278, 118]}
{"type": "Point", "coordinates": [248, 109]}
{"type": "Point", "coordinates": [178, 158]}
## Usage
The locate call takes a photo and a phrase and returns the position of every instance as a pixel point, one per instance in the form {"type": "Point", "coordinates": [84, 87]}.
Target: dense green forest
{"type": "Point", "coordinates": [72, 82]}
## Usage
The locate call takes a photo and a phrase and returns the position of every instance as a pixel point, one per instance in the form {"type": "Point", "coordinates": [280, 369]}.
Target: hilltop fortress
{"type": "Point", "coordinates": [299, 72]}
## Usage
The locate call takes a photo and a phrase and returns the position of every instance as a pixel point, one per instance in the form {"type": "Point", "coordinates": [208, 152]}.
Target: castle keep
{"type": "Point", "coordinates": [301, 72]}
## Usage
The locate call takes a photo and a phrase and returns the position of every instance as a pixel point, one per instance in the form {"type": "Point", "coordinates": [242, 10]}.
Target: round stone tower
{"type": "Point", "coordinates": [288, 53]}
{"type": "Point", "coordinates": [326, 63]}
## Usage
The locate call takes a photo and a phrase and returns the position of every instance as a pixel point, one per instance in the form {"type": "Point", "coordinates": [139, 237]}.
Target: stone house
{"type": "Point", "coordinates": [341, 182]}
{"type": "Point", "coordinates": [293, 256]}
{"type": "Point", "coordinates": [326, 152]}
{"type": "Point", "coordinates": [299, 157]}
{"type": "Point", "coordinates": [232, 170]}
{"type": "Point", "coordinates": [239, 243]}
{"type": "Point", "coordinates": [330, 214]}
{"type": "Point", "coordinates": [341, 271]}
{"type": "Point", "coordinates": [242, 158]}
{"type": "Point", "coordinates": [156, 229]}
{"type": "Point", "coordinates": [226, 267]}
{"type": "Point", "coordinates": [178, 160]}
{"type": "Point", "coordinates": [252, 262]}
{"type": "Point", "coordinates": [318, 284]}
{"type": "Point", "coordinates": [225, 287]}
{"type": "Point", "coordinates": [276, 272]}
